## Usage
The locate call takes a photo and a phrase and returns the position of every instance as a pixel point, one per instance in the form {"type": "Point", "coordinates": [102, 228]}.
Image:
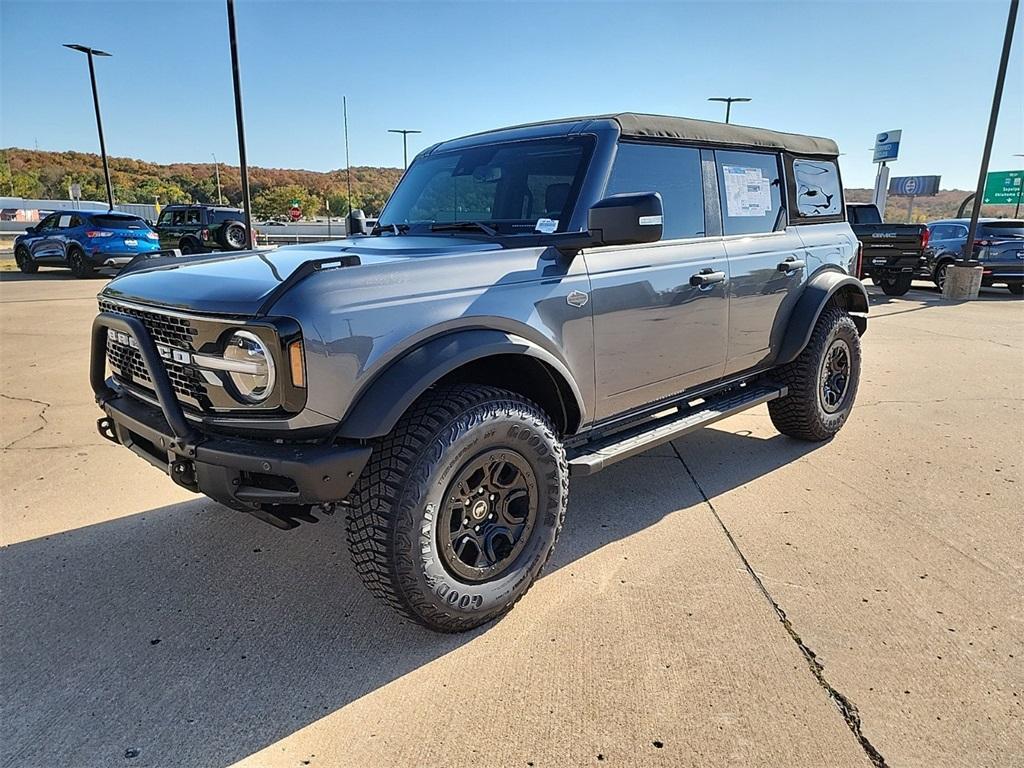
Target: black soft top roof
{"type": "Point", "coordinates": [634, 124]}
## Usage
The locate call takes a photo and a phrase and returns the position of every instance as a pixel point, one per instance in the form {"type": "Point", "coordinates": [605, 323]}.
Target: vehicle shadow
{"type": "Point", "coordinates": [194, 635]}
{"type": "Point", "coordinates": [53, 275]}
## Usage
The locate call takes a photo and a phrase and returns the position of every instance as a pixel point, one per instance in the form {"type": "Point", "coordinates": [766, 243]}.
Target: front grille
{"type": "Point", "coordinates": [171, 330]}
{"type": "Point", "coordinates": [167, 330]}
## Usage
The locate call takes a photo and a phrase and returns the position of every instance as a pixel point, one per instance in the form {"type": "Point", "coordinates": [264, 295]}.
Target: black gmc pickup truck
{"type": "Point", "coordinates": [890, 253]}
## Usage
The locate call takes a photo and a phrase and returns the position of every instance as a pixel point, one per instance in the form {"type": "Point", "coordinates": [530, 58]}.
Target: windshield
{"type": "Point", "coordinates": [513, 188]}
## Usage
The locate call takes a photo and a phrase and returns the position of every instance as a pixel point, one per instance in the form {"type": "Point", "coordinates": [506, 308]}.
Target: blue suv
{"type": "Point", "coordinates": [84, 241]}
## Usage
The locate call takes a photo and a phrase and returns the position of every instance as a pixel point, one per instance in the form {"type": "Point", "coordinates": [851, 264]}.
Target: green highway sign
{"type": "Point", "coordinates": [1003, 188]}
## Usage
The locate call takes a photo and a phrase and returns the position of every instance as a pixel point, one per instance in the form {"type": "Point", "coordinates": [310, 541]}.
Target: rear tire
{"type": "Point", "coordinates": [80, 266]}
{"type": "Point", "coordinates": [24, 260]}
{"type": "Point", "coordinates": [416, 520]}
{"type": "Point", "coordinates": [189, 245]}
{"type": "Point", "coordinates": [939, 276]}
{"type": "Point", "coordinates": [896, 286]}
{"type": "Point", "coordinates": [822, 381]}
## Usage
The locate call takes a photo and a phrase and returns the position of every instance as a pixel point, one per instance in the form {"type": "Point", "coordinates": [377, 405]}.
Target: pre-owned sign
{"type": "Point", "coordinates": [887, 146]}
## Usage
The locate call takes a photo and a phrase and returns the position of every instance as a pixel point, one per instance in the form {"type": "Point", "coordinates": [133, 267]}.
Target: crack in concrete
{"type": "Point", "coordinates": [41, 414]}
{"type": "Point", "coordinates": [846, 707]}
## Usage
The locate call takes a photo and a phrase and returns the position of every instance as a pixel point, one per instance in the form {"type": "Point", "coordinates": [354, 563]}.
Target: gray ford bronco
{"type": "Point", "coordinates": [534, 303]}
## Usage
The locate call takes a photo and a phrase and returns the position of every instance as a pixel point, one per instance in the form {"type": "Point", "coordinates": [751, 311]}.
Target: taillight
{"type": "Point", "coordinates": [205, 234]}
{"type": "Point", "coordinates": [860, 259]}
{"type": "Point", "coordinates": [98, 233]}
{"type": "Point", "coordinates": [925, 237]}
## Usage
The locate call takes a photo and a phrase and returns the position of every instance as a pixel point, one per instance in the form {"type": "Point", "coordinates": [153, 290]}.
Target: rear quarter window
{"type": "Point", "coordinates": [817, 186]}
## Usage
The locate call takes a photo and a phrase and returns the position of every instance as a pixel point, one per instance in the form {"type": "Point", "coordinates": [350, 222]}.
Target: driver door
{"type": "Point", "coordinates": [661, 310]}
{"type": "Point", "coordinates": [44, 246]}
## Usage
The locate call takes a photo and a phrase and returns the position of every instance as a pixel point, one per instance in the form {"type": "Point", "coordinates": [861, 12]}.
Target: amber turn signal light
{"type": "Point", "coordinates": [297, 361]}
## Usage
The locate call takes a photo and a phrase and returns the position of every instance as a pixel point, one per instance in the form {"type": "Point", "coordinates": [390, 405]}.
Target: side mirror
{"type": "Point", "coordinates": [631, 217]}
{"type": "Point", "coordinates": [32, 230]}
{"type": "Point", "coordinates": [357, 222]}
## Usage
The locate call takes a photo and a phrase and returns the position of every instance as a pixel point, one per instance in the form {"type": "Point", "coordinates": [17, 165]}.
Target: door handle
{"type": "Point", "coordinates": [791, 265]}
{"type": "Point", "coordinates": [706, 277]}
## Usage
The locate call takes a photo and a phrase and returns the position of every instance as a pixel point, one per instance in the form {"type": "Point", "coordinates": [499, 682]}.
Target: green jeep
{"type": "Point", "coordinates": [201, 228]}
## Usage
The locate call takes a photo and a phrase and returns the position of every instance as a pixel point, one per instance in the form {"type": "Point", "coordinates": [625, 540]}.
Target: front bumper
{"type": "Point", "coordinates": [242, 473]}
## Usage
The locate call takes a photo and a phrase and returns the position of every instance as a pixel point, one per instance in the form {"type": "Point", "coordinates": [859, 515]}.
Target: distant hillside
{"type": "Point", "coordinates": [35, 174]}
{"type": "Point", "coordinates": [942, 206]}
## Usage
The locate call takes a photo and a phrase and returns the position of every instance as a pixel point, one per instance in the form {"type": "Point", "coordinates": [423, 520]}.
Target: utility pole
{"type": "Point", "coordinates": [90, 52]}
{"type": "Point", "coordinates": [405, 143]}
{"type": "Point", "coordinates": [216, 170]}
{"type": "Point", "coordinates": [243, 166]}
{"type": "Point", "coordinates": [729, 101]}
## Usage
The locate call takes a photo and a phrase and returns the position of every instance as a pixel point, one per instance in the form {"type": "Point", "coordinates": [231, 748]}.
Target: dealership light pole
{"type": "Point", "coordinates": [216, 171]}
{"type": "Point", "coordinates": [729, 101]}
{"type": "Point", "coordinates": [90, 52]}
{"type": "Point", "coordinates": [243, 167]}
{"type": "Point", "coordinates": [405, 142]}
{"type": "Point", "coordinates": [979, 193]}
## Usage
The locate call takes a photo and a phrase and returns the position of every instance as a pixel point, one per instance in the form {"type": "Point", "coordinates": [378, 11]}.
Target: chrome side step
{"type": "Point", "coordinates": [593, 457]}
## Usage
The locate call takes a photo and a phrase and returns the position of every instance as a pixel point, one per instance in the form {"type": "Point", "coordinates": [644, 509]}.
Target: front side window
{"type": "Point", "coordinates": [50, 222]}
{"type": "Point", "coordinates": [817, 188]}
{"type": "Point", "coordinates": [749, 186]}
{"type": "Point", "coordinates": [516, 187]}
{"type": "Point", "coordinates": [674, 172]}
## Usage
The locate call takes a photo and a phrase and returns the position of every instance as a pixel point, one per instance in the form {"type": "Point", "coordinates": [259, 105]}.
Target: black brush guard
{"type": "Point", "coordinates": [246, 474]}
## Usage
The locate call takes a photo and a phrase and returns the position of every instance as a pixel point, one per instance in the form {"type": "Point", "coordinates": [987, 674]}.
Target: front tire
{"type": "Point", "coordinates": [822, 381]}
{"type": "Point", "coordinates": [80, 266]}
{"type": "Point", "coordinates": [24, 260]}
{"type": "Point", "coordinates": [460, 506]}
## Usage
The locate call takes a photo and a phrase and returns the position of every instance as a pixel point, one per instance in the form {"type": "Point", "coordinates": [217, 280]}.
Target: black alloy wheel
{"type": "Point", "coordinates": [490, 511]}
{"type": "Point", "coordinates": [834, 376]}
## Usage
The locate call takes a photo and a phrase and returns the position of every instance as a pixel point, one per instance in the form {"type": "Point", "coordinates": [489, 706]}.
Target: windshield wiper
{"type": "Point", "coordinates": [395, 229]}
{"type": "Point", "coordinates": [457, 225]}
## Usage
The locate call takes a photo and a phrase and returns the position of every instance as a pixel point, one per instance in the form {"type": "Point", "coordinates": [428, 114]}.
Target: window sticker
{"type": "Point", "coordinates": [547, 226]}
{"type": "Point", "coordinates": [747, 191]}
{"type": "Point", "coordinates": [64, 221]}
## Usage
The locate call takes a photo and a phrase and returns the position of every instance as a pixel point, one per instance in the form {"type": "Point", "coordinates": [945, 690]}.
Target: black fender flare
{"type": "Point", "coordinates": [819, 290]}
{"type": "Point", "coordinates": [381, 403]}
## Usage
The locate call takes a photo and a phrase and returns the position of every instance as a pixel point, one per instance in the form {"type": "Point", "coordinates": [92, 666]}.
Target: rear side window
{"type": "Point", "coordinates": [749, 186]}
{"type": "Point", "coordinates": [674, 172]}
{"type": "Point", "coordinates": [817, 188]}
{"type": "Point", "coordinates": [195, 216]}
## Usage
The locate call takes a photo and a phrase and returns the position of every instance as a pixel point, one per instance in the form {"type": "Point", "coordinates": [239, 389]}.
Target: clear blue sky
{"type": "Point", "coordinates": [843, 70]}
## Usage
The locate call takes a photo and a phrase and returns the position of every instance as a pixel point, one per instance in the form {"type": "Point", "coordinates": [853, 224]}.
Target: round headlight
{"type": "Point", "coordinates": [254, 378]}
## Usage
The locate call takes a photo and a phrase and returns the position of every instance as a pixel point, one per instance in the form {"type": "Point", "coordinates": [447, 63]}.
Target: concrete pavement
{"type": "Point", "coordinates": [737, 598]}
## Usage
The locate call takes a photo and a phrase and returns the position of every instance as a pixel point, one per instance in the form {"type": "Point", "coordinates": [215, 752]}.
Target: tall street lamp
{"type": "Point", "coordinates": [405, 142]}
{"type": "Point", "coordinates": [243, 166]}
{"type": "Point", "coordinates": [216, 171]}
{"type": "Point", "coordinates": [729, 101]}
{"type": "Point", "coordinates": [90, 52]}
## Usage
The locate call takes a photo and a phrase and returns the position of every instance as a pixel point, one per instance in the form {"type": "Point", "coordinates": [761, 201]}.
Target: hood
{"type": "Point", "coordinates": [243, 284]}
